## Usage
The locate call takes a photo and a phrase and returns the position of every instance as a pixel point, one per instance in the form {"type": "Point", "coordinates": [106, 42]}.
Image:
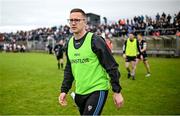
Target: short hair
{"type": "Point", "coordinates": [78, 10]}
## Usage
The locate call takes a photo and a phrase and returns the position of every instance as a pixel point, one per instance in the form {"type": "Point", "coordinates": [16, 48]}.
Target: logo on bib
{"type": "Point", "coordinates": [89, 108]}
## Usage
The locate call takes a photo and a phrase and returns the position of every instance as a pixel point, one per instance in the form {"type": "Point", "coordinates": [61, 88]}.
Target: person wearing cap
{"type": "Point", "coordinates": [130, 51]}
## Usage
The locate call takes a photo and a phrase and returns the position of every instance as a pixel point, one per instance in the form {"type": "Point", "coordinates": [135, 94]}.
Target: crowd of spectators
{"type": "Point", "coordinates": [40, 34]}
{"type": "Point", "coordinates": [159, 25]}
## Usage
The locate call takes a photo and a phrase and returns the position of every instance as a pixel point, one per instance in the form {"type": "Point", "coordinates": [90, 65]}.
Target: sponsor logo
{"type": "Point", "coordinates": [85, 60]}
{"type": "Point", "coordinates": [89, 108]}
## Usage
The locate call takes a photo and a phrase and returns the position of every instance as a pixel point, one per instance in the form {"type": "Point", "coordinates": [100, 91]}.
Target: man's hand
{"type": "Point", "coordinates": [62, 99]}
{"type": "Point", "coordinates": [118, 99]}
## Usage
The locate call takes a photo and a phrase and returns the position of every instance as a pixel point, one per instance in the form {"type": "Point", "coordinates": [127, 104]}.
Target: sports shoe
{"type": "Point", "coordinates": [148, 75]}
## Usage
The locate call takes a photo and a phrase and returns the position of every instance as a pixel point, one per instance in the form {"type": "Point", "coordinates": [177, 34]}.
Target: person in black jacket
{"type": "Point", "coordinates": [89, 61]}
{"type": "Point", "coordinates": [58, 50]}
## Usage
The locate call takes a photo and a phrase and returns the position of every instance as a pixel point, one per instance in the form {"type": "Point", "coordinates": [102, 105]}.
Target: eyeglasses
{"type": "Point", "coordinates": [75, 20]}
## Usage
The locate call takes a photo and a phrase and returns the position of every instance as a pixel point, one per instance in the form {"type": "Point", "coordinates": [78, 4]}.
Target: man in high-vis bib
{"type": "Point", "coordinates": [130, 51]}
{"type": "Point", "coordinates": [90, 64]}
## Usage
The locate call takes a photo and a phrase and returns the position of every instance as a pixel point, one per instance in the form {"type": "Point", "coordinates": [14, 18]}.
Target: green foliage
{"type": "Point", "coordinates": [30, 85]}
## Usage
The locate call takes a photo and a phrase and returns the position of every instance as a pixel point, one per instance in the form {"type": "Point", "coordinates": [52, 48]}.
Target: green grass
{"type": "Point", "coordinates": [30, 82]}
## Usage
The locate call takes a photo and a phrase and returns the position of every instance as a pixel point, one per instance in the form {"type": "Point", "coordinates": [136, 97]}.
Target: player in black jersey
{"type": "Point", "coordinates": [143, 57]}
{"type": "Point", "coordinates": [58, 50]}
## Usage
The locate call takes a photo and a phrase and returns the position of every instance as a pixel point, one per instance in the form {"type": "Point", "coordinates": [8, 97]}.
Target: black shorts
{"type": "Point", "coordinates": [91, 104]}
{"type": "Point", "coordinates": [144, 57]}
{"type": "Point", "coordinates": [130, 58]}
{"type": "Point", "coordinates": [59, 56]}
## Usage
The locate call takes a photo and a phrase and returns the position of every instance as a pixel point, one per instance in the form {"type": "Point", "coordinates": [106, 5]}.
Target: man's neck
{"type": "Point", "coordinates": [79, 35]}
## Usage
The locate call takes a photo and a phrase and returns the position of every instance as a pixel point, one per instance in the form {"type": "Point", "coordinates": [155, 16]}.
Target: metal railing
{"type": "Point", "coordinates": [161, 45]}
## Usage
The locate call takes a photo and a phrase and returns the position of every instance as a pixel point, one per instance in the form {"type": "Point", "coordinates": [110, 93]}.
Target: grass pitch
{"type": "Point", "coordinates": [30, 85]}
